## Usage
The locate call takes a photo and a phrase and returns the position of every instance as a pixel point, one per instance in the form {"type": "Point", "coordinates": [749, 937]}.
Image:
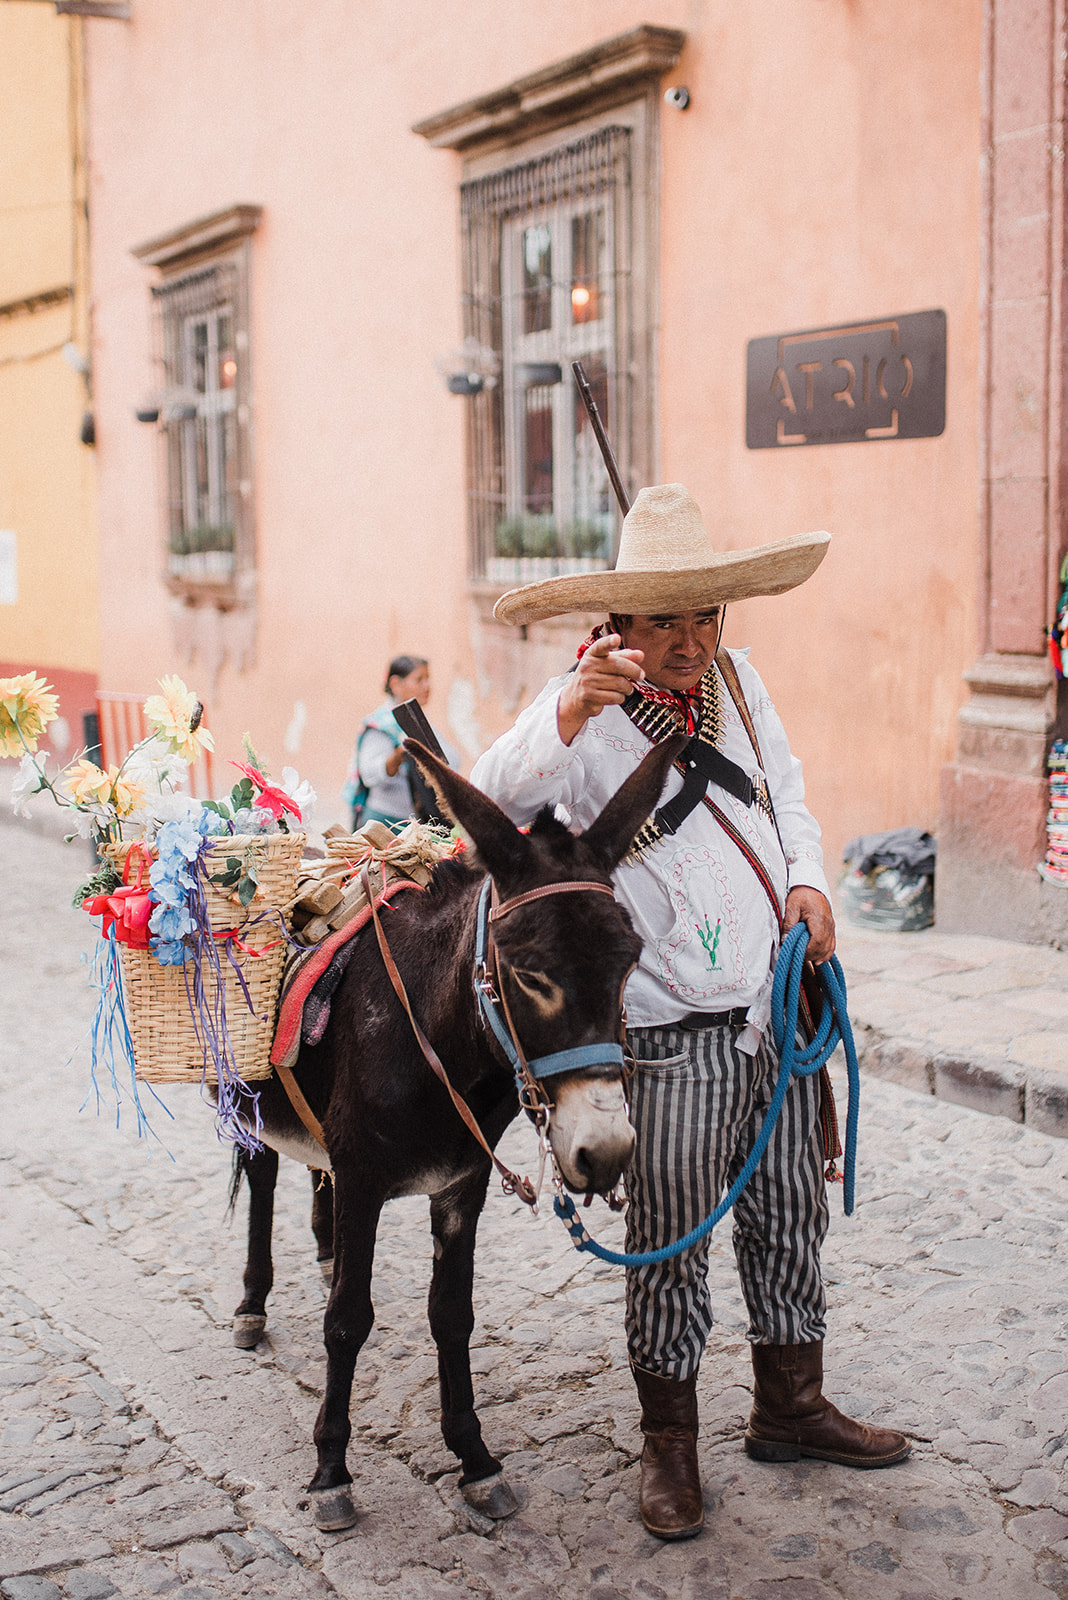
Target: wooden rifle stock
{"type": "Point", "coordinates": [412, 721]}
{"type": "Point", "coordinates": [601, 436]}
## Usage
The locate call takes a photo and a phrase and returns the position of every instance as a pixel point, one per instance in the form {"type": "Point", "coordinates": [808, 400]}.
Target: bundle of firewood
{"type": "Point", "coordinates": [329, 892]}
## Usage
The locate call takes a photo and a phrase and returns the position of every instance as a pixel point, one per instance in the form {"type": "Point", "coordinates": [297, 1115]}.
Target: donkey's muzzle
{"type": "Point", "coordinates": [591, 1134]}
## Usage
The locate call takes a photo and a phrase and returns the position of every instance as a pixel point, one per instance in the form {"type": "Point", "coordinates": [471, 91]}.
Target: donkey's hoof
{"type": "Point", "coordinates": [248, 1331]}
{"type": "Point", "coordinates": [333, 1509]}
{"type": "Point", "coordinates": [491, 1496]}
{"type": "Point", "coordinates": [327, 1270]}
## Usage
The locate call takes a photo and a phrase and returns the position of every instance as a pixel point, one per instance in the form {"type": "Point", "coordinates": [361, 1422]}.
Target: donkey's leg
{"type": "Point", "coordinates": [454, 1217]}
{"type": "Point", "coordinates": [250, 1318]}
{"type": "Point", "coordinates": [349, 1319]}
{"type": "Point", "coordinates": [323, 1221]}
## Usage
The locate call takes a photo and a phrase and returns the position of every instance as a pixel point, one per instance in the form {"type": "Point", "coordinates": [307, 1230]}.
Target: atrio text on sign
{"type": "Point", "coordinates": [884, 379]}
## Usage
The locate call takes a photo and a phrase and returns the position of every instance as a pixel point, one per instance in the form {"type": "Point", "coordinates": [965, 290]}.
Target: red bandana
{"type": "Point", "coordinates": [598, 633]}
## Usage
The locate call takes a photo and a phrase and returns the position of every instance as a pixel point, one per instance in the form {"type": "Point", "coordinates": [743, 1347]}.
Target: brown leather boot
{"type": "Point", "coordinates": [791, 1418]}
{"type": "Point", "coordinates": [671, 1503]}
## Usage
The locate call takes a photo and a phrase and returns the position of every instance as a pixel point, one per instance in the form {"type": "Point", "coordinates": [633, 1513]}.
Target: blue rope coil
{"type": "Point", "coordinates": [834, 1029]}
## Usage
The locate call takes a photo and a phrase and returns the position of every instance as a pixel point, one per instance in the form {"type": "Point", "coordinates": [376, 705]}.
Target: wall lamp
{"type": "Point", "coordinates": [173, 405]}
{"type": "Point", "coordinates": [470, 369]}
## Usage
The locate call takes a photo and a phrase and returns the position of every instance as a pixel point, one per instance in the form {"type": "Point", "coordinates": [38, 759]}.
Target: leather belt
{"type": "Point", "coordinates": [694, 1021]}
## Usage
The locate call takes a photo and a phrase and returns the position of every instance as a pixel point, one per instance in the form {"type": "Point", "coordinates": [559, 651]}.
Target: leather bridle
{"type": "Point", "coordinates": [490, 994]}
{"type": "Point", "coordinates": [494, 1013]}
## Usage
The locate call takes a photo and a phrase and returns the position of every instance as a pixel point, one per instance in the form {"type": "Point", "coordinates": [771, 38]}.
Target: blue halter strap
{"type": "Point", "coordinates": [491, 1010]}
{"type": "Point", "coordinates": [833, 1029]}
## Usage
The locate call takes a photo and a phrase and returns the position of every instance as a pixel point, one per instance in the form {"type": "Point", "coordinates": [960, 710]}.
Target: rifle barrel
{"type": "Point", "coordinates": [601, 436]}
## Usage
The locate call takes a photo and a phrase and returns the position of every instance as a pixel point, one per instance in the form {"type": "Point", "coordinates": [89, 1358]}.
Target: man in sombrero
{"type": "Point", "coordinates": [727, 864]}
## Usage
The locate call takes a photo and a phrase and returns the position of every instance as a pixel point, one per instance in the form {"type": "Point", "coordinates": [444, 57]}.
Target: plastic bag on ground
{"type": "Point", "coordinates": [889, 882]}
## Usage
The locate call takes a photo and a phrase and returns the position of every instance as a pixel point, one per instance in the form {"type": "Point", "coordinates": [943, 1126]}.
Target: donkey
{"type": "Point", "coordinates": [390, 1127]}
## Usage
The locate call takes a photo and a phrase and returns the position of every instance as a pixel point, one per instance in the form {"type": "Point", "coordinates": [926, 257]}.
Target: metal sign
{"type": "Point", "coordinates": [882, 379]}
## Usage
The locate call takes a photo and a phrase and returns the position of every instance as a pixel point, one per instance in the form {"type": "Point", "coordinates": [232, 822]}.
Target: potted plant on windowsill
{"type": "Point", "coordinates": [534, 546]}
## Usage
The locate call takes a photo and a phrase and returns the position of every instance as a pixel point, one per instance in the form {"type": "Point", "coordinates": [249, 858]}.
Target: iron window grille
{"type": "Point", "coordinates": [547, 280]}
{"type": "Point", "coordinates": [202, 328]}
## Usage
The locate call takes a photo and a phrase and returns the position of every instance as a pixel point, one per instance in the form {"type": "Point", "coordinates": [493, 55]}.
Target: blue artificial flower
{"type": "Point", "coordinates": [171, 922]}
{"type": "Point", "coordinates": [173, 876]}
{"type": "Point", "coordinates": [166, 889]}
{"type": "Point", "coordinates": [168, 954]}
{"type": "Point", "coordinates": [179, 840]}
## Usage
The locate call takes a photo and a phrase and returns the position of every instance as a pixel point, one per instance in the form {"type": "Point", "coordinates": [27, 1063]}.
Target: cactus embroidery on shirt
{"type": "Point", "coordinates": [709, 937]}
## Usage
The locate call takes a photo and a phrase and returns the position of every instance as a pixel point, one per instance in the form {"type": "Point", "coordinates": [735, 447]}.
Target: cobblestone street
{"type": "Point", "coordinates": [142, 1454]}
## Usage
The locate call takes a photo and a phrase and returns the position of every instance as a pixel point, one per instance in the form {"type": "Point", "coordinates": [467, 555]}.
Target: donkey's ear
{"type": "Point", "coordinates": [612, 835]}
{"type": "Point", "coordinates": [500, 844]}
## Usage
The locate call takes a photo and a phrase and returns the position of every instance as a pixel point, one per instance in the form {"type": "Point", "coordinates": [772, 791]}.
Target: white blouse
{"type": "Point", "coordinates": [709, 935]}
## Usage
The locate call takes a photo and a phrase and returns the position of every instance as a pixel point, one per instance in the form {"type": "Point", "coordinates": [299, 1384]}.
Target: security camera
{"type": "Point", "coordinates": [679, 98]}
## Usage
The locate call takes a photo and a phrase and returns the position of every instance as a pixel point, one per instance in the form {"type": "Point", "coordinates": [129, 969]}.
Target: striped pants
{"type": "Point", "coordinates": [697, 1104]}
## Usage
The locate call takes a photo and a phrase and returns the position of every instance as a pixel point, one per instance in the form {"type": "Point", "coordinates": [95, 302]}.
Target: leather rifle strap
{"type": "Point", "coordinates": [729, 673]}
{"type": "Point", "coordinates": [513, 1183]}
{"type": "Point", "coordinates": [811, 991]}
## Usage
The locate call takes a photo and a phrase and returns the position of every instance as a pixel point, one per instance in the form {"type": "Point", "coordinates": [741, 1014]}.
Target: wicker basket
{"type": "Point", "coordinates": [168, 1047]}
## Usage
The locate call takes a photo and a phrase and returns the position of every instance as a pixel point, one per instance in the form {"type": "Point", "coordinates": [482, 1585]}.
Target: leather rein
{"type": "Point", "coordinates": [494, 1013]}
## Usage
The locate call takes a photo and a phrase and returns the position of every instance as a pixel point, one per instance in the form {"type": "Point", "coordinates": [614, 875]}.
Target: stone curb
{"type": "Point", "coordinates": [1000, 1088]}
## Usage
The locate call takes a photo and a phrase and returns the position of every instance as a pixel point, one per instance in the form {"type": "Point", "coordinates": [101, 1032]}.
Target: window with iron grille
{"type": "Point", "coordinates": [547, 281]}
{"type": "Point", "coordinates": [203, 336]}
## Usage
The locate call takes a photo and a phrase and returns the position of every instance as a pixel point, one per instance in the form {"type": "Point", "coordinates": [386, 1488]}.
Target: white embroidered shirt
{"type": "Point", "coordinates": [709, 935]}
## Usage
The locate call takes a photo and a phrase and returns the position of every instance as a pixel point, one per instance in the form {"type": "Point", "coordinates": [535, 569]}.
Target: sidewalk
{"type": "Point", "coordinates": [980, 1022]}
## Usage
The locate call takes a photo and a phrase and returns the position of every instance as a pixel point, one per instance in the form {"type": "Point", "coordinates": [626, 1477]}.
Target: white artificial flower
{"type": "Point", "coordinates": [90, 820]}
{"type": "Point", "coordinates": [27, 781]}
{"type": "Point", "coordinates": [302, 794]}
{"type": "Point", "coordinates": [155, 767]}
{"type": "Point", "coordinates": [161, 808]}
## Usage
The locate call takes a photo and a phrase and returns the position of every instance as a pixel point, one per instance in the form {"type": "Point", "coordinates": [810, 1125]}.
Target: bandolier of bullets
{"type": "Point", "coordinates": [658, 721]}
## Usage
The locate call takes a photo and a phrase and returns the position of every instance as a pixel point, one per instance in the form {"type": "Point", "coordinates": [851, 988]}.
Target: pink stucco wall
{"type": "Point", "coordinates": [827, 170]}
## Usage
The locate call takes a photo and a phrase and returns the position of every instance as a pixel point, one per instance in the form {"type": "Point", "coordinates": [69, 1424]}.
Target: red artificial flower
{"type": "Point", "coordinates": [128, 909]}
{"type": "Point", "coordinates": [270, 797]}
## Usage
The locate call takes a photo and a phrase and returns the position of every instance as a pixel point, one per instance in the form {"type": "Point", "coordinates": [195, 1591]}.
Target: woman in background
{"type": "Point", "coordinates": [378, 786]}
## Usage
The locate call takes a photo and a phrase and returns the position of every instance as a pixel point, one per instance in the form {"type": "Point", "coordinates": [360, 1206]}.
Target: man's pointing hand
{"type": "Point", "coordinates": [604, 676]}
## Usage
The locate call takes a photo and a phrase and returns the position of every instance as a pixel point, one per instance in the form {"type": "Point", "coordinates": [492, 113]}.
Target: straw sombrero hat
{"type": "Point", "coordinates": [667, 563]}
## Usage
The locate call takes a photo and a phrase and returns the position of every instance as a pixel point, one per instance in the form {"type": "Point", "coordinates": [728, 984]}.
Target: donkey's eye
{"type": "Point", "coordinates": [534, 982]}
{"type": "Point", "coordinates": [546, 995]}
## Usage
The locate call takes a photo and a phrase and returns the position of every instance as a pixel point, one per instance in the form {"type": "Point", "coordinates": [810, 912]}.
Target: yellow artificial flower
{"type": "Point", "coordinates": [27, 706]}
{"type": "Point", "coordinates": [173, 714]}
{"type": "Point", "coordinates": [126, 795]}
{"type": "Point", "coordinates": [88, 784]}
